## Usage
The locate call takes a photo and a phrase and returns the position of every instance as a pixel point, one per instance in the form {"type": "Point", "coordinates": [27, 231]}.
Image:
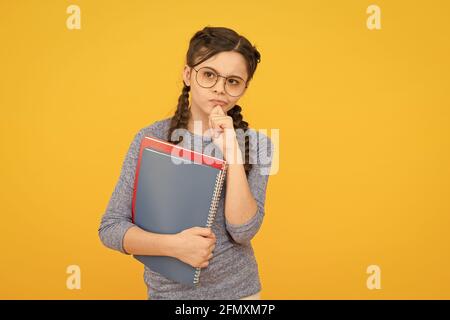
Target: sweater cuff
{"type": "Point", "coordinates": [239, 228]}
{"type": "Point", "coordinates": [122, 230]}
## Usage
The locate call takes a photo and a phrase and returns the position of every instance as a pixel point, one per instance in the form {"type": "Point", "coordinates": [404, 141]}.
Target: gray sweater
{"type": "Point", "coordinates": [232, 272]}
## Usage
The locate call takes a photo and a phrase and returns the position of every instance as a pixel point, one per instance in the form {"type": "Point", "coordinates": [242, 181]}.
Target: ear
{"type": "Point", "coordinates": [187, 75]}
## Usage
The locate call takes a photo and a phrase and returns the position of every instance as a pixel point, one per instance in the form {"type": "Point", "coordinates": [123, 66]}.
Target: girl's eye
{"type": "Point", "coordinates": [209, 74]}
{"type": "Point", "coordinates": [233, 81]}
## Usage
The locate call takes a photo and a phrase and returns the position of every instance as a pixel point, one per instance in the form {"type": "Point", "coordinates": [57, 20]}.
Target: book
{"type": "Point", "coordinates": [175, 189]}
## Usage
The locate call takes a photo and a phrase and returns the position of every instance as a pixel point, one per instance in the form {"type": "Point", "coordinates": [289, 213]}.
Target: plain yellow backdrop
{"type": "Point", "coordinates": [364, 171]}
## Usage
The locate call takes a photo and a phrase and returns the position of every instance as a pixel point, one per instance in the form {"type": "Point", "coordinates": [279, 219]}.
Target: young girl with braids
{"type": "Point", "coordinates": [219, 66]}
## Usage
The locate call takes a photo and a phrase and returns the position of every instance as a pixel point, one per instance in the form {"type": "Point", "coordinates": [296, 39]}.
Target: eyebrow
{"type": "Point", "coordinates": [233, 75]}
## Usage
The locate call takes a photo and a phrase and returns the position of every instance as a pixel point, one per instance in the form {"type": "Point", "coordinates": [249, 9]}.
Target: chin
{"type": "Point", "coordinates": [206, 110]}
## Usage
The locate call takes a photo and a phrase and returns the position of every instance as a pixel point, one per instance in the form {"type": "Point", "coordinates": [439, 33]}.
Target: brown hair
{"type": "Point", "coordinates": [202, 46]}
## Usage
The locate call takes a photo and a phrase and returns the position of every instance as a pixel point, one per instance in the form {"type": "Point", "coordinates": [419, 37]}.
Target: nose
{"type": "Point", "coordinates": [220, 85]}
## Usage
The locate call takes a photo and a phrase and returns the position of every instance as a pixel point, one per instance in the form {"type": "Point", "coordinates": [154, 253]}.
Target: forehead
{"type": "Point", "coordinates": [228, 63]}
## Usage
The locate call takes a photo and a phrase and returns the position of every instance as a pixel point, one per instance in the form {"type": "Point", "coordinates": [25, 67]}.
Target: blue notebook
{"type": "Point", "coordinates": [175, 189]}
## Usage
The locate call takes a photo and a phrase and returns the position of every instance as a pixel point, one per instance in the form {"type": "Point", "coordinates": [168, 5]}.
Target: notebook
{"type": "Point", "coordinates": [175, 189]}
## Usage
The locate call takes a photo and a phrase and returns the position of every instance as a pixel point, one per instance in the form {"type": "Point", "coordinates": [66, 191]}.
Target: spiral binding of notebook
{"type": "Point", "coordinates": [213, 208]}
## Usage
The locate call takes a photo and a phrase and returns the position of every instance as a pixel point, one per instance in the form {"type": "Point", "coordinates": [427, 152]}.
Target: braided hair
{"type": "Point", "coordinates": [203, 45]}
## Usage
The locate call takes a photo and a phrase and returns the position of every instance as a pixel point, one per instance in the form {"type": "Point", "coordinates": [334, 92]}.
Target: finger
{"type": "Point", "coordinates": [211, 122]}
{"type": "Point", "coordinates": [217, 110]}
{"type": "Point", "coordinates": [217, 125]}
{"type": "Point", "coordinates": [206, 232]}
{"type": "Point", "coordinates": [216, 128]}
{"type": "Point", "coordinates": [216, 115]}
{"type": "Point", "coordinates": [221, 123]}
{"type": "Point", "coordinates": [222, 119]}
{"type": "Point", "coordinates": [211, 128]}
{"type": "Point", "coordinates": [219, 116]}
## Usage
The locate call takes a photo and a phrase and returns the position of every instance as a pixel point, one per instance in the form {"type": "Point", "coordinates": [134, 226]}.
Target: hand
{"type": "Point", "coordinates": [195, 246]}
{"type": "Point", "coordinates": [223, 134]}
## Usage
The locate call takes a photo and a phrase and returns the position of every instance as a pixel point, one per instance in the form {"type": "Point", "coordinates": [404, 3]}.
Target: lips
{"type": "Point", "coordinates": [219, 102]}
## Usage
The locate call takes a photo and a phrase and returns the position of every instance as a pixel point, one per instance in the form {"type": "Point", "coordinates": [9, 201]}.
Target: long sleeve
{"type": "Point", "coordinates": [117, 218]}
{"type": "Point", "coordinates": [257, 179]}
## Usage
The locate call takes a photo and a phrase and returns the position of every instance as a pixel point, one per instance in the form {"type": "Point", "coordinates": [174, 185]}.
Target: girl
{"type": "Point", "coordinates": [219, 66]}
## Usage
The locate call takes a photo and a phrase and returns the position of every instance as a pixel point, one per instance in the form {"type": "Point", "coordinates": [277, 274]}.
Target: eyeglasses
{"type": "Point", "coordinates": [207, 78]}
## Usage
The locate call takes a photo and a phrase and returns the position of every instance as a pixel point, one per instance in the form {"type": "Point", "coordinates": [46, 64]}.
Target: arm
{"type": "Point", "coordinates": [141, 242]}
{"type": "Point", "coordinates": [245, 198]}
{"type": "Point", "coordinates": [116, 230]}
{"type": "Point", "coordinates": [240, 204]}
{"type": "Point", "coordinates": [193, 246]}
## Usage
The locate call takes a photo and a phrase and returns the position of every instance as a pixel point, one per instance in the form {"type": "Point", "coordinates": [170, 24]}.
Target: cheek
{"type": "Point", "coordinates": [233, 102]}
{"type": "Point", "coordinates": [200, 94]}
{"type": "Point", "coordinates": [201, 98]}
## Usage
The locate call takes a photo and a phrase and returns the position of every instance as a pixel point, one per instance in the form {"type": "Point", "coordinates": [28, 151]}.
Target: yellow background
{"type": "Point", "coordinates": [364, 173]}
